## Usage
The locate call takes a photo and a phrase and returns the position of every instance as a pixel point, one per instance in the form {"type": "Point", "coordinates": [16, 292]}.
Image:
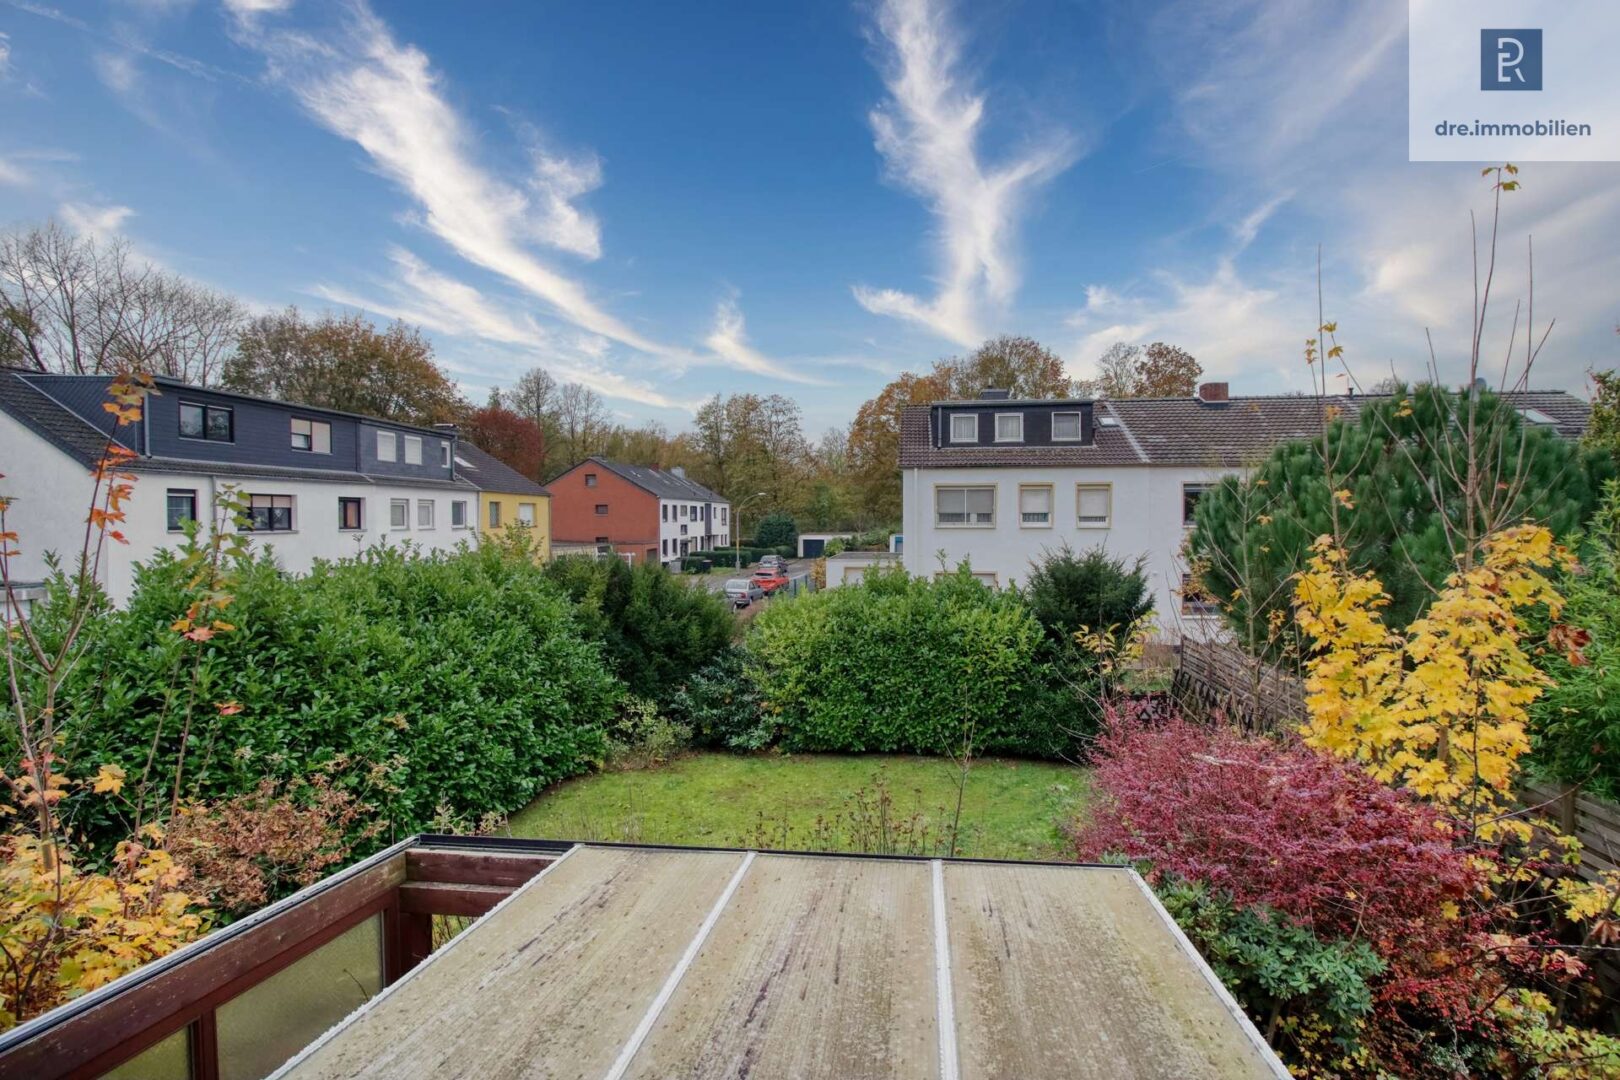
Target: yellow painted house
{"type": "Point", "coordinates": [506, 497]}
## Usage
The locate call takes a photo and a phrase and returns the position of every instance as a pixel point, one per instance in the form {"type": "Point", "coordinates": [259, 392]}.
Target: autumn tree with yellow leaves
{"type": "Point", "coordinates": [66, 929]}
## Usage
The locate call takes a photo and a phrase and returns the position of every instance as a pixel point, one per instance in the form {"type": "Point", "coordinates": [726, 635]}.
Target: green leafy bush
{"type": "Point", "coordinates": [1575, 725]}
{"type": "Point", "coordinates": [456, 681]}
{"type": "Point", "coordinates": [1067, 592]}
{"type": "Point", "coordinates": [906, 664]}
{"type": "Point", "coordinates": [721, 705]}
{"type": "Point", "coordinates": [655, 627]}
{"type": "Point", "coordinates": [642, 736]}
{"type": "Point", "coordinates": [777, 530]}
{"type": "Point", "coordinates": [1298, 987]}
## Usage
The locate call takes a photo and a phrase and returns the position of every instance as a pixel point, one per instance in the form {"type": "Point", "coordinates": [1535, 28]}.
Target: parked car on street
{"type": "Point", "coordinates": [743, 591]}
{"type": "Point", "coordinates": [770, 578]}
{"type": "Point", "coordinates": [773, 562]}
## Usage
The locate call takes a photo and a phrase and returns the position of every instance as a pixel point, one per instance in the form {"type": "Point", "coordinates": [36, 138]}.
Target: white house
{"type": "Point", "coordinates": [320, 484]}
{"type": "Point", "coordinates": [1000, 482]}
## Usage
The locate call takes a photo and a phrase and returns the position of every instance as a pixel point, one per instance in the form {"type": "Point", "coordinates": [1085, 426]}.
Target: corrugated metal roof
{"type": "Point", "coordinates": [622, 962]}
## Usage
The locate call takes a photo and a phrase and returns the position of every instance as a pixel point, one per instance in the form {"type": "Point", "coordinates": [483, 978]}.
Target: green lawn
{"type": "Point", "coordinates": [1011, 809]}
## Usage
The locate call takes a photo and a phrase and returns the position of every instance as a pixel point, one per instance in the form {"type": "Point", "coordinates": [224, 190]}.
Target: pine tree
{"type": "Point", "coordinates": [1395, 477]}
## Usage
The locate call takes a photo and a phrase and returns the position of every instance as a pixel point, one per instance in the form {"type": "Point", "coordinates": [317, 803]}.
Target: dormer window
{"type": "Point", "coordinates": [1009, 427]}
{"type": "Point", "coordinates": [964, 427]}
{"type": "Point", "coordinates": [313, 436]}
{"type": "Point", "coordinates": [211, 423]}
{"type": "Point", "coordinates": [1065, 427]}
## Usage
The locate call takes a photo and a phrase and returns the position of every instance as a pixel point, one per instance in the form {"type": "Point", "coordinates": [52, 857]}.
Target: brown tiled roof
{"type": "Point", "coordinates": [1186, 431]}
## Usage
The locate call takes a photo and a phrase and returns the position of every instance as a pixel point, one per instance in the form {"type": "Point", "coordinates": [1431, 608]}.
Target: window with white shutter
{"type": "Point", "coordinates": [1035, 506]}
{"type": "Point", "coordinates": [965, 507]}
{"type": "Point", "coordinates": [1094, 505]}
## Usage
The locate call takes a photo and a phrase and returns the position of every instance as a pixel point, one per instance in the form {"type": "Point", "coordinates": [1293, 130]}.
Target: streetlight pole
{"type": "Point", "coordinates": [736, 524]}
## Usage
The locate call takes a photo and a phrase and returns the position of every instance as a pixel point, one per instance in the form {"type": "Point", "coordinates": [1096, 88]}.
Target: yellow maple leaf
{"type": "Point", "coordinates": [110, 778]}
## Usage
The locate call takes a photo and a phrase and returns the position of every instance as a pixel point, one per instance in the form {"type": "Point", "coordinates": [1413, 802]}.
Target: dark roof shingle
{"type": "Point", "coordinates": [1186, 431]}
{"type": "Point", "coordinates": [659, 482]}
{"type": "Point", "coordinates": [49, 419]}
{"type": "Point", "coordinates": [488, 473]}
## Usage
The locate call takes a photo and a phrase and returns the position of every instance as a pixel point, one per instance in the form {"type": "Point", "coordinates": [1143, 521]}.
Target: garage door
{"type": "Point", "coordinates": [814, 548]}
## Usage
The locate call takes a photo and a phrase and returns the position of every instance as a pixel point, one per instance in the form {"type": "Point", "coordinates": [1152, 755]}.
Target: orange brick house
{"type": "Point", "coordinates": [646, 515]}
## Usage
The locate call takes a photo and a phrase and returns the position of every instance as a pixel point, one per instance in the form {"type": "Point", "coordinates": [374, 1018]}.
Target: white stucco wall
{"type": "Point", "coordinates": [50, 495]}
{"type": "Point", "coordinates": [52, 500]}
{"type": "Point", "coordinates": [1145, 520]}
{"type": "Point", "coordinates": [670, 531]}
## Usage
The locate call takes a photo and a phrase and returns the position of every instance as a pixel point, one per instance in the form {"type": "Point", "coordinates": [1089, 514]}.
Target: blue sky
{"type": "Point", "coordinates": [669, 200]}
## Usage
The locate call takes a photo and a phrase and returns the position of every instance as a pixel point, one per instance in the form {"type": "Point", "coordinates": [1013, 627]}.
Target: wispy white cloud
{"type": "Point", "coordinates": [729, 340]}
{"type": "Point", "coordinates": [242, 8]}
{"type": "Point", "coordinates": [98, 220]}
{"type": "Point", "coordinates": [1233, 326]}
{"type": "Point", "coordinates": [928, 131]}
{"type": "Point", "coordinates": [437, 302]}
{"type": "Point", "coordinates": [1247, 229]}
{"type": "Point", "coordinates": [1274, 125]}
{"type": "Point", "coordinates": [5, 54]}
{"type": "Point", "coordinates": [117, 71]}
{"type": "Point", "coordinates": [558, 221]}
{"type": "Point", "coordinates": [383, 95]}
{"type": "Point", "coordinates": [11, 174]}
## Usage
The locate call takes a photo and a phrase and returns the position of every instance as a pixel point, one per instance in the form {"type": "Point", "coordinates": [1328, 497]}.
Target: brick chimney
{"type": "Point", "coordinates": [1211, 392]}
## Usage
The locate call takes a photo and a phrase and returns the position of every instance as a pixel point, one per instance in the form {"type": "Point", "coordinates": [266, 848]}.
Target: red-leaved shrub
{"type": "Point", "coordinates": [1271, 823]}
{"type": "Point", "coordinates": [1279, 824]}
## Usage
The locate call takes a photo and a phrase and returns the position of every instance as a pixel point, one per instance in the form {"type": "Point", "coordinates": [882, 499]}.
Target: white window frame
{"type": "Point", "coordinates": [458, 509]}
{"type": "Point", "coordinates": [1000, 416]}
{"type": "Point", "coordinates": [531, 519]}
{"type": "Point", "coordinates": [399, 515]}
{"type": "Point", "coordinates": [1108, 492]}
{"type": "Point", "coordinates": [189, 494]}
{"type": "Point", "coordinates": [413, 449]}
{"type": "Point", "coordinates": [444, 454]}
{"type": "Point", "coordinates": [494, 517]}
{"type": "Point", "coordinates": [986, 577]}
{"type": "Point", "coordinates": [973, 419]}
{"type": "Point", "coordinates": [1051, 506]}
{"type": "Point", "coordinates": [1079, 426]}
{"type": "Point", "coordinates": [387, 446]}
{"type": "Point", "coordinates": [424, 513]}
{"type": "Point", "coordinates": [939, 488]}
{"type": "Point", "coordinates": [1203, 487]}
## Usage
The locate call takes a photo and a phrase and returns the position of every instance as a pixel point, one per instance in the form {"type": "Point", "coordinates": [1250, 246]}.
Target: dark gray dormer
{"type": "Point", "coordinates": [1008, 422]}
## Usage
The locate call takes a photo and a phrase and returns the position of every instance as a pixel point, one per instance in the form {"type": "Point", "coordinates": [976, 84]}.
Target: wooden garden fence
{"type": "Point", "coordinates": [1219, 681]}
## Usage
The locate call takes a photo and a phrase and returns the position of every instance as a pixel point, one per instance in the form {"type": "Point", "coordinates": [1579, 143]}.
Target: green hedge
{"type": "Point", "coordinates": [728, 556]}
{"type": "Point", "coordinates": [902, 664]}
{"type": "Point", "coordinates": [655, 628]}
{"type": "Point", "coordinates": [457, 682]}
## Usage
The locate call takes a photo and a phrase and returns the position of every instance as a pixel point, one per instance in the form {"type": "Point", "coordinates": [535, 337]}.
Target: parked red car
{"type": "Point", "coordinates": [770, 579]}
